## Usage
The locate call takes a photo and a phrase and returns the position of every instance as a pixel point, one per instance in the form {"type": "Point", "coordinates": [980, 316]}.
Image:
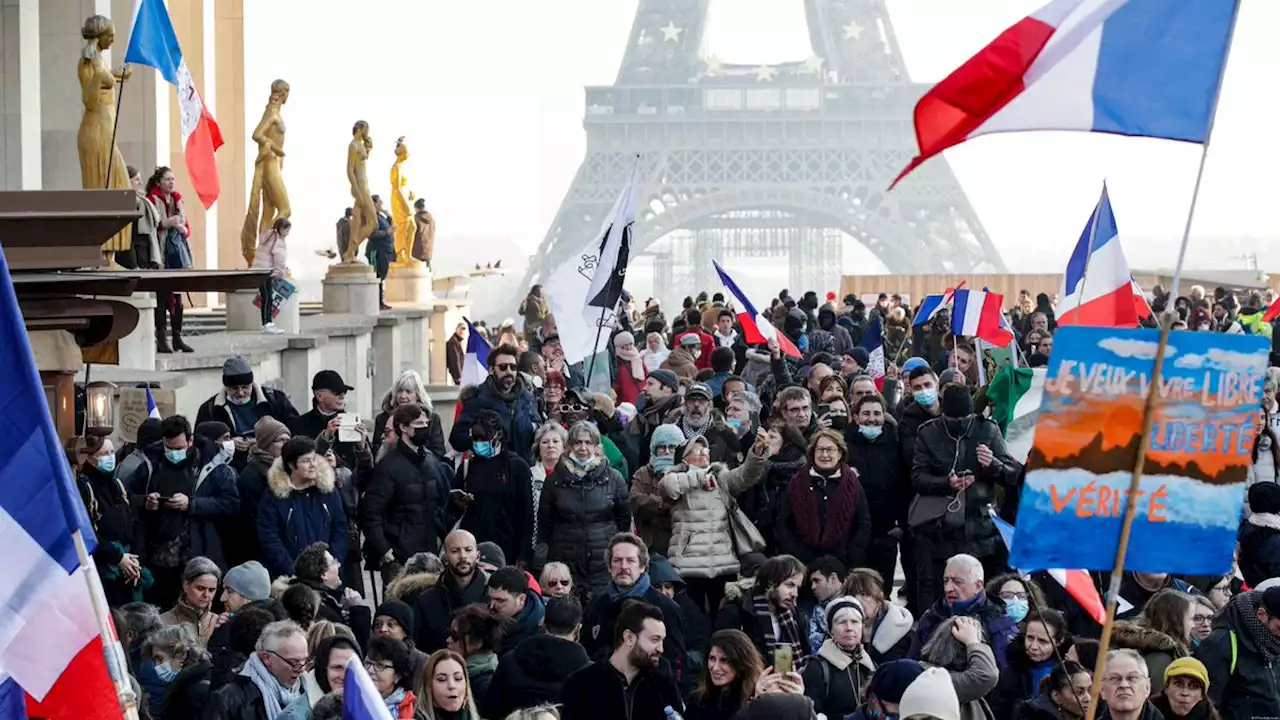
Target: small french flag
{"type": "Point", "coordinates": [978, 314]}
{"type": "Point", "coordinates": [755, 327]}
{"type": "Point", "coordinates": [475, 364]}
{"type": "Point", "coordinates": [152, 410]}
{"type": "Point", "coordinates": [1077, 583]}
{"type": "Point", "coordinates": [360, 699]}
{"type": "Point", "coordinates": [934, 304]}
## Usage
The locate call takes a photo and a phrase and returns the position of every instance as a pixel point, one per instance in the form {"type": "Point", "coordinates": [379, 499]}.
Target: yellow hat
{"type": "Point", "coordinates": [1187, 667]}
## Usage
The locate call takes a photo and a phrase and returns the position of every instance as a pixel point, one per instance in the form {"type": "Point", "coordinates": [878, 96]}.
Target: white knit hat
{"type": "Point", "coordinates": [932, 695]}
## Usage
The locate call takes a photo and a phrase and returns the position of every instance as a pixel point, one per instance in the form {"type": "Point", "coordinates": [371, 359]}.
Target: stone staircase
{"type": "Point", "coordinates": [203, 321]}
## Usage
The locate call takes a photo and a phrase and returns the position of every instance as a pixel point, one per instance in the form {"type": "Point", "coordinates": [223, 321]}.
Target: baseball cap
{"type": "Point", "coordinates": [330, 380]}
{"type": "Point", "coordinates": [698, 389]}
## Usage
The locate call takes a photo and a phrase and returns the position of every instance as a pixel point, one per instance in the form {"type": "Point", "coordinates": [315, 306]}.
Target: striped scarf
{"type": "Point", "coordinates": [788, 629]}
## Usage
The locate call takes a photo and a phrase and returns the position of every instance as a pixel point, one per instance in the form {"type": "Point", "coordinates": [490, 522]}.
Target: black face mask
{"type": "Point", "coordinates": [420, 436]}
{"type": "Point", "coordinates": [957, 428]}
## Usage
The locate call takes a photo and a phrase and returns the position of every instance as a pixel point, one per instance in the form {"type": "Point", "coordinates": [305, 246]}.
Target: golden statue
{"type": "Point", "coordinates": [364, 217]}
{"type": "Point", "coordinates": [401, 213]}
{"type": "Point", "coordinates": [101, 165]}
{"type": "Point", "coordinates": [267, 196]}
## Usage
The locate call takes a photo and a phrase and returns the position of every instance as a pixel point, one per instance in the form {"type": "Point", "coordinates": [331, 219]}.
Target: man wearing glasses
{"type": "Point", "coordinates": [1126, 683]}
{"type": "Point", "coordinates": [270, 676]}
{"type": "Point", "coordinates": [502, 393]}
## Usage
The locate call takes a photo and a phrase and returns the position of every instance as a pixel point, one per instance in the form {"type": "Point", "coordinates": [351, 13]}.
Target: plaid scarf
{"type": "Point", "coordinates": [789, 629]}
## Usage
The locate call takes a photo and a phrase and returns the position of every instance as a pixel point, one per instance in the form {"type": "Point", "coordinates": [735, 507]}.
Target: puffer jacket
{"type": "Point", "coordinates": [1244, 680]}
{"type": "Point", "coordinates": [289, 520]}
{"type": "Point", "coordinates": [403, 509]}
{"type": "Point", "coordinates": [701, 539]}
{"type": "Point", "coordinates": [576, 517]}
{"type": "Point", "coordinates": [936, 455]}
{"type": "Point", "coordinates": [651, 513]}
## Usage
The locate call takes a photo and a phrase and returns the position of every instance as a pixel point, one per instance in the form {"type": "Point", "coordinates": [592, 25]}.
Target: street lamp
{"type": "Point", "coordinates": [100, 408]}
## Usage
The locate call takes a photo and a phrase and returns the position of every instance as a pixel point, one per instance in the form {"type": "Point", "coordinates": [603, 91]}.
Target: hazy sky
{"type": "Point", "coordinates": [489, 95]}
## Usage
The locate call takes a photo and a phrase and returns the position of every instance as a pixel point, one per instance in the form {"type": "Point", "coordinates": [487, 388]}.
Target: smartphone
{"type": "Point", "coordinates": [823, 409]}
{"type": "Point", "coordinates": [784, 660]}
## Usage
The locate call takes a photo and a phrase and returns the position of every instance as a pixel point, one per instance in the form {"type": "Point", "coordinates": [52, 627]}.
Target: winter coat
{"type": "Point", "coordinates": [892, 636]}
{"type": "Point", "coordinates": [598, 691]}
{"type": "Point", "coordinates": [652, 514]}
{"type": "Point", "coordinates": [853, 551]}
{"type": "Point", "coordinates": [1015, 688]}
{"type": "Point", "coordinates": [166, 531]}
{"type": "Point", "coordinates": [272, 254]}
{"type": "Point", "coordinates": [503, 507]}
{"type": "Point", "coordinates": [525, 625]}
{"type": "Point", "coordinates": [681, 362]}
{"type": "Point", "coordinates": [640, 429]}
{"type": "Point", "coordinates": [116, 525]}
{"type": "Point", "coordinates": [695, 626]}
{"type": "Point", "coordinates": [576, 517]}
{"type": "Point", "coordinates": [455, 355]}
{"type": "Point", "coordinates": [1040, 707]}
{"type": "Point", "coordinates": [532, 674]}
{"type": "Point", "coordinates": [972, 684]}
{"type": "Point", "coordinates": [600, 617]}
{"type": "Point", "coordinates": [519, 417]}
{"type": "Point", "coordinates": [239, 699]}
{"type": "Point", "coordinates": [201, 623]}
{"type": "Point", "coordinates": [739, 613]}
{"type": "Point", "coordinates": [433, 611]}
{"type": "Point", "coordinates": [188, 694]}
{"type": "Point", "coordinates": [435, 433]}
{"type": "Point", "coordinates": [1000, 628]}
{"type": "Point", "coordinates": [627, 386]}
{"type": "Point", "coordinates": [935, 456]}
{"type": "Point", "coordinates": [403, 509]}
{"type": "Point", "coordinates": [1243, 682]}
{"type": "Point", "coordinates": [879, 467]}
{"type": "Point", "coordinates": [289, 519]}
{"type": "Point", "coordinates": [1260, 548]}
{"type": "Point", "coordinates": [267, 401]}
{"type": "Point", "coordinates": [1155, 647]}
{"type": "Point", "coordinates": [836, 684]}
{"type": "Point", "coordinates": [240, 542]}
{"type": "Point", "coordinates": [701, 538]}
{"type": "Point", "coordinates": [213, 506]}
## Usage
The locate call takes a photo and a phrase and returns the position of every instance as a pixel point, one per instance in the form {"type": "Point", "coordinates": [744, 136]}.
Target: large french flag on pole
{"type": "Point", "coordinates": [756, 328]}
{"type": "Point", "coordinates": [1146, 68]}
{"type": "Point", "coordinates": [1098, 289]}
{"type": "Point", "coordinates": [978, 313]}
{"type": "Point", "coordinates": [51, 652]}
{"type": "Point", "coordinates": [154, 44]}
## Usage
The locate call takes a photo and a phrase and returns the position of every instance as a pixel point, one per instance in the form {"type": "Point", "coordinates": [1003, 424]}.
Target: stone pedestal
{"type": "Point", "coordinates": [242, 314]}
{"type": "Point", "coordinates": [350, 289]}
{"type": "Point", "coordinates": [138, 349]}
{"type": "Point", "coordinates": [409, 285]}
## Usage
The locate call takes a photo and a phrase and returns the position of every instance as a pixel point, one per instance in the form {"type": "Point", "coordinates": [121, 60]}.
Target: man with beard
{"type": "Point", "coordinates": [697, 418]}
{"type": "Point", "coordinates": [629, 568]}
{"type": "Point", "coordinates": [769, 614]}
{"type": "Point", "coordinates": [502, 394]}
{"type": "Point", "coordinates": [661, 397]}
{"type": "Point", "coordinates": [631, 677]}
{"type": "Point", "coordinates": [462, 583]}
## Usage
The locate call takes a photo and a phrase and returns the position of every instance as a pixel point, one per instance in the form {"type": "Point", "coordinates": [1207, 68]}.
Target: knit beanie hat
{"type": "Point", "coordinates": [1188, 667]}
{"type": "Point", "coordinates": [398, 611]}
{"type": "Point", "coordinates": [1264, 497]}
{"type": "Point", "coordinates": [491, 554]}
{"type": "Point", "coordinates": [622, 339]}
{"type": "Point", "coordinates": [957, 402]}
{"type": "Point", "coordinates": [840, 605]}
{"type": "Point", "coordinates": [249, 579]}
{"type": "Point", "coordinates": [267, 430]}
{"type": "Point", "coordinates": [892, 679]}
{"type": "Point", "coordinates": [685, 447]}
{"type": "Point", "coordinates": [932, 695]}
{"type": "Point", "coordinates": [666, 435]}
{"type": "Point", "coordinates": [237, 371]}
{"type": "Point", "coordinates": [212, 429]}
{"type": "Point", "coordinates": [860, 356]}
{"type": "Point", "coordinates": [667, 378]}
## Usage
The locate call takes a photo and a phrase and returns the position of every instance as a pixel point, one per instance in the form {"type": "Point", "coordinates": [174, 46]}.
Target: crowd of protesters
{"type": "Point", "coordinates": [727, 531]}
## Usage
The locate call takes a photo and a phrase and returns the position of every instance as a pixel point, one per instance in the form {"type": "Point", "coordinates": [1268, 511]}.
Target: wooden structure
{"type": "Point", "coordinates": [52, 244]}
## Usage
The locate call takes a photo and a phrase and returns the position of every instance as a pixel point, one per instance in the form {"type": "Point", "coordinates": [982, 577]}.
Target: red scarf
{"type": "Point", "coordinates": [167, 206]}
{"type": "Point", "coordinates": [841, 508]}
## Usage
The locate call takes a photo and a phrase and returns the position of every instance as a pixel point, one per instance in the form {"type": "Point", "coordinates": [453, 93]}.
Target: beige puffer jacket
{"type": "Point", "coordinates": [701, 543]}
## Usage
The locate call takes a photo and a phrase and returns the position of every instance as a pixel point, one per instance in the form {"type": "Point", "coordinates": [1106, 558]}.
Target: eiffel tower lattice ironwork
{"type": "Point", "coordinates": [808, 145]}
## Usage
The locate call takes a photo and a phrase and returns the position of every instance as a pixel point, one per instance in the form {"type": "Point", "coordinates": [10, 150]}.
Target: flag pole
{"type": "Point", "coordinates": [115, 125]}
{"type": "Point", "coordinates": [115, 657]}
{"type": "Point", "coordinates": [1148, 411]}
{"type": "Point", "coordinates": [591, 367]}
{"type": "Point", "coordinates": [1088, 256]}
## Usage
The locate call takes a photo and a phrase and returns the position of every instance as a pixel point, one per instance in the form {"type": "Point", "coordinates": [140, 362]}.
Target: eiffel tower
{"type": "Point", "coordinates": [766, 161]}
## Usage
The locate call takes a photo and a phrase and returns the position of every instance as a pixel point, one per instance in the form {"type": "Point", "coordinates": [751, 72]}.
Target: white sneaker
{"type": "Point", "coordinates": [271, 329]}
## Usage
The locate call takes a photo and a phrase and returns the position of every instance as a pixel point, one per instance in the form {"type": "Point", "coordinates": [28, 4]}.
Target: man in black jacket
{"type": "Point", "coordinates": [271, 675]}
{"type": "Point", "coordinates": [241, 403]}
{"type": "Point", "coordinates": [165, 495]}
{"type": "Point", "coordinates": [328, 401]}
{"type": "Point", "coordinates": [402, 510]}
{"type": "Point", "coordinates": [534, 672]}
{"type": "Point", "coordinates": [462, 583]}
{"type": "Point", "coordinates": [631, 677]}
{"type": "Point", "coordinates": [629, 568]}
{"type": "Point", "coordinates": [1240, 655]}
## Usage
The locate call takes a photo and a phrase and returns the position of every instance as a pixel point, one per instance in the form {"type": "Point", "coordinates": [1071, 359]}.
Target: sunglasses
{"type": "Point", "coordinates": [505, 366]}
{"type": "Point", "coordinates": [558, 583]}
{"type": "Point", "coordinates": [574, 408]}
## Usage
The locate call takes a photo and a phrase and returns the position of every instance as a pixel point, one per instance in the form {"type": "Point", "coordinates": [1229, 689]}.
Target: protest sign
{"type": "Point", "coordinates": [1087, 437]}
{"type": "Point", "coordinates": [133, 409]}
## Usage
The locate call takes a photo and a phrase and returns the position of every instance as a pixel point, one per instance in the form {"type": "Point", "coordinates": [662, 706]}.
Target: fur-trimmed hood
{"type": "Point", "coordinates": [278, 479]}
{"type": "Point", "coordinates": [411, 585]}
{"type": "Point", "coordinates": [894, 626]}
{"type": "Point", "coordinates": [1145, 640]}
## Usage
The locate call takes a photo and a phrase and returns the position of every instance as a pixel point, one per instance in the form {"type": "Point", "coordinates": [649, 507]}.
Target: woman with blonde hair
{"type": "Point", "coordinates": [444, 691]}
{"type": "Point", "coordinates": [410, 388]}
{"type": "Point", "coordinates": [549, 442]}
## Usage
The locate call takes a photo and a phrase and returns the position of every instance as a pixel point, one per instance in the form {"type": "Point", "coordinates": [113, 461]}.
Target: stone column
{"type": "Point", "coordinates": [410, 286]}
{"type": "Point", "coordinates": [138, 348]}
{"type": "Point", "coordinates": [229, 95]}
{"type": "Point", "coordinates": [20, 117]}
{"type": "Point", "coordinates": [351, 289]}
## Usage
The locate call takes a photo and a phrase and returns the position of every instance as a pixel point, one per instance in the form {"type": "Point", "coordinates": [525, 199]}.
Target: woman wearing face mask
{"type": "Point", "coordinates": [824, 510]}
{"type": "Point", "coordinates": [496, 498]}
{"type": "Point", "coordinates": [729, 679]}
{"type": "Point", "coordinates": [837, 676]}
{"type": "Point", "coordinates": [115, 523]}
{"type": "Point", "coordinates": [583, 504]}
{"type": "Point", "coordinates": [655, 352]}
{"type": "Point", "coordinates": [1031, 657]}
{"type": "Point", "coordinates": [184, 666]}
{"type": "Point", "coordinates": [1063, 695]}
{"type": "Point", "coordinates": [410, 388]}
{"type": "Point", "coordinates": [874, 454]}
{"type": "Point", "coordinates": [1016, 595]}
{"type": "Point", "coordinates": [216, 498]}
{"type": "Point", "coordinates": [651, 511]}
{"type": "Point", "coordinates": [1186, 692]}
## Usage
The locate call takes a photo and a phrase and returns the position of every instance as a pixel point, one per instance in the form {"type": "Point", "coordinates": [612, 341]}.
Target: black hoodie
{"type": "Point", "coordinates": [532, 674]}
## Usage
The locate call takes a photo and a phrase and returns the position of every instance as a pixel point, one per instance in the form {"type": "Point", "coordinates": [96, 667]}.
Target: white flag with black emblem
{"type": "Point", "coordinates": [584, 292]}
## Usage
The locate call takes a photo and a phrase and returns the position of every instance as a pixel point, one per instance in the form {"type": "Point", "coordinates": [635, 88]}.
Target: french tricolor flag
{"type": "Point", "coordinates": [980, 314]}
{"type": "Point", "coordinates": [51, 651]}
{"type": "Point", "coordinates": [1098, 289]}
{"type": "Point", "coordinates": [1146, 68]}
{"type": "Point", "coordinates": [154, 44]}
{"type": "Point", "coordinates": [756, 329]}
{"type": "Point", "coordinates": [475, 364]}
{"type": "Point", "coordinates": [360, 698]}
{"type": "Point", "coordinates": [152, 410]}
{"type": "Point", "coordinates": [934, 304]}
{"type": "Point", "coordinates": [1078, 583]}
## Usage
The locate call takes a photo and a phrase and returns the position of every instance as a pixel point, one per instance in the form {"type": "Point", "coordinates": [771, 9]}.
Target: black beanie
{"type": "Point", "coordinates": [957, 402]}
{"type": "Point", "coordinates": [1264, 497]}
{"type": "Point", "coordinates": [398, 611]}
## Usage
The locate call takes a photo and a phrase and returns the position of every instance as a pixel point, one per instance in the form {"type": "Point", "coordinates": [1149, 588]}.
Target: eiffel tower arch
{"type": "Point", "coordinates": [766, 161]}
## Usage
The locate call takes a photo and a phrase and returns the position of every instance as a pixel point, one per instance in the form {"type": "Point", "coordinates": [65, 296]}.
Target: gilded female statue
{"type": "Point", "coordinates": [100, 159]}
{"type": "Point", "coordinates": [364, 218]}
{"type": "Point", "coordinates": [400, 210]}
{"type": "Point", "coordinates": [268, 198]}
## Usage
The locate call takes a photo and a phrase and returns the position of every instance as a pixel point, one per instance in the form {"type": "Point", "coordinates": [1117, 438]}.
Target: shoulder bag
{"type": "Point", "coordinates": [746, 538]}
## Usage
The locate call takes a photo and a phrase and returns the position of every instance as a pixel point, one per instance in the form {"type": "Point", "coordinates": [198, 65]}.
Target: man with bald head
{"type": "Point", "coordinates": [463, 583]}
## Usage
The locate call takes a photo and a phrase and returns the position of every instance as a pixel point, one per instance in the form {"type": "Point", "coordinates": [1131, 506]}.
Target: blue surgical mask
{"type": "Point", "coordinates": [926, 398]}
{"type": "Point", "coordinates": [176, 456]}
{"type": "Point", "coordinates": [107, 463]}
{"type": "Point", "coordinates": [166, 673]}
{"type": "Point", "coordinates": [661, 462]}
{"type": "Point", "coordinates": [870, 432]}
{"type": "Point", "coordinates": [734, 423]}
{"type": "Point", "coordinates": [1016, 609]}
{"type": "Point", "coordinates": [484, 448]}
{"type": "Point", "coordinates": [580, 463]}
{"type": "Point", "coordinates": [239, 401]}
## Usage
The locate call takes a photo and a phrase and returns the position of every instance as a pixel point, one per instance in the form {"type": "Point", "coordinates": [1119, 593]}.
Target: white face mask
{"type": "Point", "coordinates": [227, 448]}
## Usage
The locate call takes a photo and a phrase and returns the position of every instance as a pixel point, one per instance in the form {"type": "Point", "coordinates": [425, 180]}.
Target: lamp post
{"type": "Point", "coordinates": [100, 408]}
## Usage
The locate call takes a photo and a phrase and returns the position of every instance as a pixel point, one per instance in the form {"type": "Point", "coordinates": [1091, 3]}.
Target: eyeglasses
{"type": "Point", "coordinates": [666, 449]}
{"type": "Point", "coordinates": [569, 409]}
{"type": "Point", "coordinates": [1201, 619]}
{"type": "Point", "coordinates": [1133, 679]}
{"type": "Point", "coordinates": [822, 450]}
{"type": "Point", "coordinates": [297, 665]}
{"type": "Point", "coordinates": [374, 666]}
{"type": "Point", "coordinates": [1013, 595]}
